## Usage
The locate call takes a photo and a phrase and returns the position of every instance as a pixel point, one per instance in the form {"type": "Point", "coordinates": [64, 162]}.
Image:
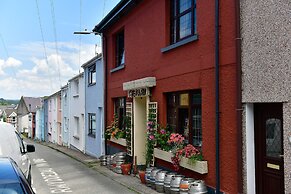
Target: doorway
{"type": "Point", "coordinates": [268, 120]}
{"type": "Point", "coordinates": [140, 128]}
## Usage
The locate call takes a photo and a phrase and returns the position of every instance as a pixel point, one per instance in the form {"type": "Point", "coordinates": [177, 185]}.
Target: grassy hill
{"type": "Point", "coordinates": [7, 101]}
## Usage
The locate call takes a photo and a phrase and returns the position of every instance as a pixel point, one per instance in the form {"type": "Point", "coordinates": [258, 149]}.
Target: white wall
{"type": "Point", "coordinates": [250, 149]}
{"type": "Point", "coordinates": [77, 110]}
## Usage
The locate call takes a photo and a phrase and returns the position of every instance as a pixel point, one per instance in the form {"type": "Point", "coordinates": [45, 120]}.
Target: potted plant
{"type": "Point", "coordinates": [180, 150]}
{"type": "Point", "coordinates": [141, 173]}
{"type": "Point", "coordinates": [125, 168]}
{"type": "Point", "coordinates": [113, 130]}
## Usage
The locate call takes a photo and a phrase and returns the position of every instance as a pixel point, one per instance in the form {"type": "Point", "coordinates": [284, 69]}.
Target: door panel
{"type": "Point", "coordinates": [269, 148]}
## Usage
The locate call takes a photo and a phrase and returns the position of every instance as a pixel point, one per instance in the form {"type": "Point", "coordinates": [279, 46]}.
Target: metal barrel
{"type": "Point", "coordinates": [198, 187]}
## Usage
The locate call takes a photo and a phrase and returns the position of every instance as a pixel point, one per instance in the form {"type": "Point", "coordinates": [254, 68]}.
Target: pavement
{"type": "Point", "coordinates": [132, 182]}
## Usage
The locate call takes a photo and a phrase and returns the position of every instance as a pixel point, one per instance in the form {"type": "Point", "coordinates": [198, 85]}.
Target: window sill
{"type": "Point", "coordinates": [76, 137]}
{"type": "Point", "coordinates": [91, 84]}
{"type": "Point", "coordinates": [92, 135]}
{"type": "Point", "coordinates": [76, 96]}
{"type": "Point", "coordinates": [200, 167]}
{"type": "Point", "coordinates": [180, 43]}
{"type": "Point", "coordinates": [117, 68]}
{"type": "Point", "coordinates": [120, 141]}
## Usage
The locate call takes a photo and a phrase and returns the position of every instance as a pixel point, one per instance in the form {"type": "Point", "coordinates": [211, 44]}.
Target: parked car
{"type": "Point", "coordinates": [12, 180]}
{"type": "Point", "coordinates": [12, 145]}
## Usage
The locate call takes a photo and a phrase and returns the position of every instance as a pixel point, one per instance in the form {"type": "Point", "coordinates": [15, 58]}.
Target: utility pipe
{"type": "Point", "coordinates": [104, 57]}
{"type": "Point", "coordinates": [217, 130]}
{"type": "Point", "coordinates": [239, 98]}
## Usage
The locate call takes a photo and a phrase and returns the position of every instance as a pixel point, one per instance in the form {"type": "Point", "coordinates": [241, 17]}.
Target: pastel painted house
{"type": "Point", "coordinates": [65, 115]}
{"type": "Point", "coordinates": [45, 119]}
{"type": "Point", "coordinates": [10, 115]}
{"type": "Point", "coordinates": [54, 118]}
{"type": "Point", "coordinates": [94, 106]}
{"type": "Point", "coordinates": [77, 112]}
{"type": "Point", "coordinates": [161, 58]}
{"type": "Point", "coordinates": [39, 123]}
{"type": "Point", "coordinates": [26, 110]}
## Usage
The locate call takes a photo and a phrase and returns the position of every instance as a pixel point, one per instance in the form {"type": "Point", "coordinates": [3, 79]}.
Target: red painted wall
{"type": "Point", "coordinates": [146, 30]}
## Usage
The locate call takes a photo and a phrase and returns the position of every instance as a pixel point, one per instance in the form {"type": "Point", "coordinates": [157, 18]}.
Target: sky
{"type": "Point", "coordinates": [38, 51]}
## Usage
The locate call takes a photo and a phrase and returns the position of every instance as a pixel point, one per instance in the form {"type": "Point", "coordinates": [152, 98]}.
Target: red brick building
{"type": "Point", "coordinates": [160, 55]}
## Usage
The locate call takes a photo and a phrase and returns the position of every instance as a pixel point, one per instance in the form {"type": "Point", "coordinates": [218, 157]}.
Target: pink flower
{"type": "Point", "coordinates": [163, 131]}
{"type": "Point", "coordinates": [151, 137]}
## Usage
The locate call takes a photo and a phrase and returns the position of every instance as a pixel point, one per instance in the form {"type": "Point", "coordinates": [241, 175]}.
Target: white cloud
{"type": "Point", "coordinates": [9, 63]}
{"type": "Point", "coordinates": [38, 76]}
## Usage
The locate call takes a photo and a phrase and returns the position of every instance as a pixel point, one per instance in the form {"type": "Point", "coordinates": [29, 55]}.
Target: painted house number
{"type": "Point", "coordinates": [138, 92]}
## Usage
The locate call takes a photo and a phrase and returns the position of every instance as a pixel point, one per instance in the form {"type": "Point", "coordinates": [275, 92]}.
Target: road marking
{"type": "Point", "coordinates": [52, 179]}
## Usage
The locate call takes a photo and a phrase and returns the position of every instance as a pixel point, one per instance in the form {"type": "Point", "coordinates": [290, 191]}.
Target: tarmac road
{"type": "Point", "coordinates": [54, 172]}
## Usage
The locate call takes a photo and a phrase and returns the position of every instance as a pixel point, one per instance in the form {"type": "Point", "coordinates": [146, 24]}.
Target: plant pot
{"type": "Point", "coordinates": [125, 168]}
{"type": "Point", "coordinates": [142, 176]}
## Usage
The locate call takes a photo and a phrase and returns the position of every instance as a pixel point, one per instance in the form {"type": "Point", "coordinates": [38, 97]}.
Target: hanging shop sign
{"type": "Point", "coordinates": [139, 92]}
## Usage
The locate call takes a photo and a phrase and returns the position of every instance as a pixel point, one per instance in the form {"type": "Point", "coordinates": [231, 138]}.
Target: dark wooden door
{"type": "Point", "coordinates": [269, 148]}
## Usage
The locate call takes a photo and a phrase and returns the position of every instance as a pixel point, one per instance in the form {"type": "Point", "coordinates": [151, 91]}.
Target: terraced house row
{"type": "Point", "coordinates": [215, 72]}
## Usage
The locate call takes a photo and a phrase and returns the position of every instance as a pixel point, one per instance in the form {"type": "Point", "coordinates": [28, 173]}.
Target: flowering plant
{"type": "Point", "coordinates": [151, 139]}
{"type": "Point", "coordinates": [176, 140]}
{"type": "Point", "coordinates": [113, 131]}
{"type": "Point", "coordinates": [189, 151]}
{"type": "Point", "coordinates": [162, 136]}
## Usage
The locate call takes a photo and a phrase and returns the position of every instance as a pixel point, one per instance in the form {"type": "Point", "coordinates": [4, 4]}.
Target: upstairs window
{"type": "Point", "coordinates": [76, 88]}
{"type": "Point", "coordinates": [92, 75]}
{"type": "Point", "coordinates": [182, 19]}
{"type": "Point", "coordinates": [120, 49]}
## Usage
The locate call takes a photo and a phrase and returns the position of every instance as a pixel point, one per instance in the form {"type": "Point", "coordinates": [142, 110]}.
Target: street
{"type": "Point", "coordinates": [54, 172]}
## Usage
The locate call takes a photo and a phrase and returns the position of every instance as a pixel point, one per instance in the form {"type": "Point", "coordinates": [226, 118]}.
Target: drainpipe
{"type": "Point", "coordinates": [217, 139]}
{"type": "Point", "coordinates": [239, 98]}
{"type": "Point", "coordinates": [104, 59]}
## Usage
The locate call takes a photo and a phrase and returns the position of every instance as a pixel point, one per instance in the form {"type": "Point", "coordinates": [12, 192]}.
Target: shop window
{"type": "Point", "coordinates": [184, 115]}
{"type": "Point", "coordinates": [183, 19]}
{"type": "Point", "coordinates": [92, 125]}
{"type": "Point", "coordinates": [119, 111]}
{"type": "Point", "coordinates": [120, 52]}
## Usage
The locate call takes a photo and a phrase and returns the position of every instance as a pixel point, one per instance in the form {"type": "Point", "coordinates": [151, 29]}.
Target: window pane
{"type": "Point", "coordinates": [94, 77]}
{"type": "Point", "coordinates": [184, 5]}
{"type": "Point", "coordinates": [171, 99]}
{"type": "Point", "coordinates": [171, 117]}
{"type": "Point", "coordinates": [94, 122]}
{"type": "Point", "coordinates": [273, 137]}
{"type": "Point", "coordinates": [185, 25]}
{"type": "Point", "coordinates": [120, 49]}
{"type": "Point", "coordinates": [196, 98]}
{"type": "Point", "coordinates": [196, 127]}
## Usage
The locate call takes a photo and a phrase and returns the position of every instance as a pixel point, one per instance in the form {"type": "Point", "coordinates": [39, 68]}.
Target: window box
{"type": "Point", "coordinates": [120, 141]}
{"type": "Point", "coordinates": [200, 167]}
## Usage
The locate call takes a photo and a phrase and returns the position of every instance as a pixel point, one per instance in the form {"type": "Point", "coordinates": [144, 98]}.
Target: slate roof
{"type": "Point", "coordinates": [33, 102]}
{"type": "Point", "coordinates": [9, 111]}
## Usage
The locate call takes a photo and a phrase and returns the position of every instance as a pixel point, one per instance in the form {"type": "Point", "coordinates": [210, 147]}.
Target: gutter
{"type": "Point", "coordinates": [239, 99]}
{"type": "Point", "coordinates": [217, 121]}
{"type": "Point", "coordinates": [114, 16]}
